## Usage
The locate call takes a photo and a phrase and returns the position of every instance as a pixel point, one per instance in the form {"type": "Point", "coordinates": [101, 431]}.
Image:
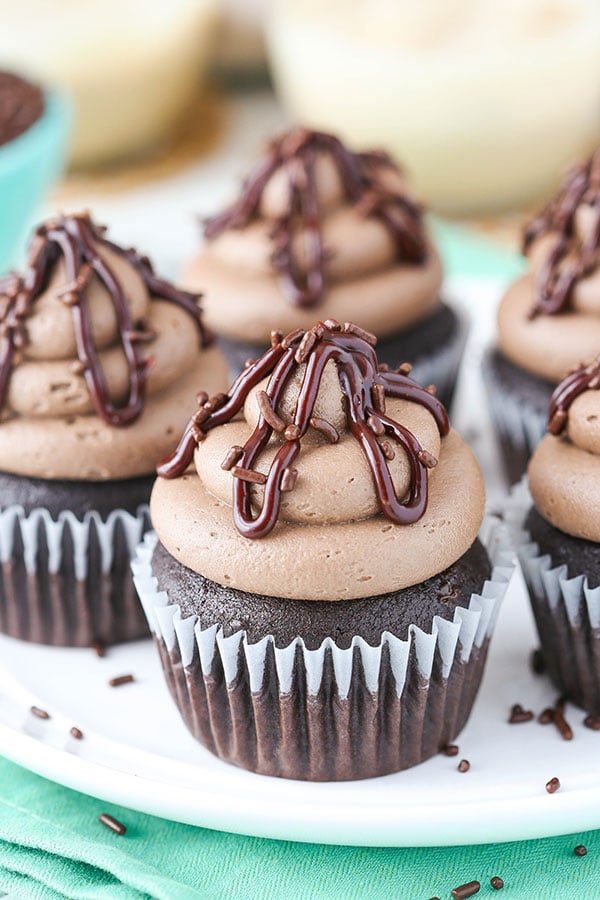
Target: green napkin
{"type": "Point", "coordinates": [52, 846]}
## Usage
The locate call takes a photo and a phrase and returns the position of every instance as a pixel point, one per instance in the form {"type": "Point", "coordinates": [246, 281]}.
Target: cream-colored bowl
{"type": "Point", "coordinates": [484, 102]}
{"type": "Point", "coordinates": [132, 67]}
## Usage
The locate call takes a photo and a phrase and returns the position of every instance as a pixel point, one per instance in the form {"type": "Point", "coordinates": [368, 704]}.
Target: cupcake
{"type": "Point", "coordinates": [549, 319]}
{"type": "Point", "coordinates": [320, 230]}
{"type": "Point", "coordinates": [559, 537]}
{"type": "Point", "coordinates": [98, 360]}
{"type": "Point", "coordinates": [320, 598]}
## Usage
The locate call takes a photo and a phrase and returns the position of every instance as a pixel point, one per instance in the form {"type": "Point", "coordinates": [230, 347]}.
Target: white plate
{"type": "Point", "coordinates": [136, 752]}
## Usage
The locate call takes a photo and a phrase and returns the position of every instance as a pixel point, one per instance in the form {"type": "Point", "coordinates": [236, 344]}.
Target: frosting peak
{"type": "Point", "coordinates": [363, 386]}
{"type": "Point", "coordinates": [91, 341]}
{"type": "Point", "coordinates": [305, 173]}
{"type": "Point", "coordinates": [88, 264]}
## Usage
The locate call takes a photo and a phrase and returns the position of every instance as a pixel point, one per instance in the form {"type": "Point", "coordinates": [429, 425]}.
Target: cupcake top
{"type": "Point", "coordinates": [564, 472]}
{"type": "Point", "coordinates": [21, 105]}
{"type": "Point", "coordinates": [317, 227]}
{"type": "Point", "coordinates": [549, 319]}
{"type": "Point", "coordinates": [98, 356]}
{"type": "Point", "coordinates": [320, 475]}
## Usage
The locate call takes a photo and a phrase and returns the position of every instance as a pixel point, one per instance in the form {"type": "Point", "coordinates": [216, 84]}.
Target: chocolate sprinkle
{"type": "Point", "coordinates": [464, 765]}
{"type": "Point", "coordinates": [77, 733]}
{"type": "Point", "coordinates": [328, 430]}
{"type": "Point", "coordinates": [296, 153]}
{"type": "Point", "coordinates": [585, 378]}
{"type": "Point", "coordinates": [121, 679]}
{"type": "Point", "coordinates": [268, 413]}
{"type": "Point", "coordinates": [497, 883]}
{"type": "Point", "coordinates": [580, 850]}
{"type": "Point", "coordinates": [519, 715]}
{"type": "Point", "coordinates": [112, 823]}
{"type": "Point", "coordinates": [358, 373]}
{"type": "Point", "coordinates": [451, 750]}
{"type": "Point", "coordinates": [99, 649]}
{"type": "Point", "coordinates": [466, 890]}
{"type": "Point", "coordinates": [592, 722]}
{"type": "Point", "coordinates": [571, 259]}
{"type": "Point", "coordinates": [77, 240]}
{"type": "Point", "coordinates": [39, 713]}
{"type": "Point", "coordinates": [561, 723]}
{"type": "Point", "coordinates": [553, 785]}
{"type": "Point", "coordinates": [556, 714]}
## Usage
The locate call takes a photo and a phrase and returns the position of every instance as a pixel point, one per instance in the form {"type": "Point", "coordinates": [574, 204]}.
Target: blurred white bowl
{"type": "Point", "coordinates": [484, 102]}
{"type": "Point", "coordinates": [132, 67]}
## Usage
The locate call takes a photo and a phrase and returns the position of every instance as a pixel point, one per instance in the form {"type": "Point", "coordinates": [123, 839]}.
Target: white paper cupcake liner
{"type": "Point", "coordinates": [519, 425]}
{"type": "Point", "coordinates": [566, 611]}
{"type": "Point", "coordinates": [329, 713]}
{"type": "Point", "coordinates": [66, 581]}
{"type": "Point", "coordinates": [441, 366]}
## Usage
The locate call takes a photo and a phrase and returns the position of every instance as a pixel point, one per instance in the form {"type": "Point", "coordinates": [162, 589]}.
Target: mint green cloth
{"type": "Point", "coordinates": [52, 846]}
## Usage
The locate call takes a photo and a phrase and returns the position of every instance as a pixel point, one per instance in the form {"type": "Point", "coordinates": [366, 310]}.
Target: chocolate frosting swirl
{"type": "Point", "coordinates": [98, 359]}
{"type": "Point", "coordinates": [364, 387]}
{"type": "Point", "coordinates": [572, 256]}
{"type": "Point", "coordinates": [295, 154]}
{"type": "Point", "coordinates": [564, 472]}
{"type": "Point", "coordinates": [78, 241]}
{"type": "Point", "coordinates": [549, 318]}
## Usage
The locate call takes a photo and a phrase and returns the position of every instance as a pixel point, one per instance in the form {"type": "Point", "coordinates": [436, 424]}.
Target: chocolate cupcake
{"type": "Point", "coordinates": [559, 537]}
{"type": "Point", "coordinates": [320, 230]}
{"type": "Point", "coordinates": [549, 319]}
{"type": "Point", "coordinates": [99, 358]}
{"type": "Point", "coordinates": [316, 587]}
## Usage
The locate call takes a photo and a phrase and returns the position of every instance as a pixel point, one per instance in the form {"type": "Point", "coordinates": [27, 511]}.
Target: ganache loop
{"type": "Point", "coordinates": [570, 259]}
{"type": "Point", "coordinates": [585, 378]}
{"type": "Point", "coordinates": [364, 385]}
{"type": "Point", "coordinates": [79, 240]}
{"type": "Point", "coordinates": [296, 153]}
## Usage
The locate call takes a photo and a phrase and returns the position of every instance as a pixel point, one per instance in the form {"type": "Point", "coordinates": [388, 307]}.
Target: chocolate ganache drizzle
{"type": "Point", "coordinates": [364, 385]}
{"type": "Point", "coordinates": [296, 153]}
{"type": "Point", "coordinates": [586, 378]}
{"type": "Point", "coordinates": [78, 240]}
{"type": "Point", "coordinates": [571, 258]}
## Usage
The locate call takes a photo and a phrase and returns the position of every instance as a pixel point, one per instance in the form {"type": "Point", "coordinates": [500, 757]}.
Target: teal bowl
{"type": "Point", "coordinates": [29, 164]}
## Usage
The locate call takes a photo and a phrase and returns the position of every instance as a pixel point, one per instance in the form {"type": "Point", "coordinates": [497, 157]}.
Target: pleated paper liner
{"type": "Point", "coordinates": [439, 365]}
{"type": "Point", "coordinates": [566, 611]}
{"type": "Point", "coordinates": [66, 581]}
{"type": "Point", "coordinates": [519, 425]}
{"type": "Point", "coordinates": [327, 714]}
